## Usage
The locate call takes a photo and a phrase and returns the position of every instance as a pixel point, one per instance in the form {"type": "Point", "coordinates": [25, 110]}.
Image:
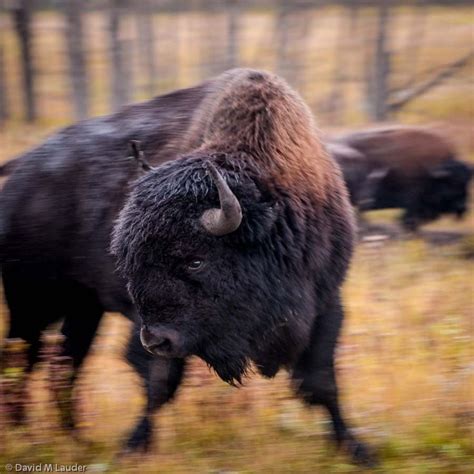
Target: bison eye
{"type": "Point", "coordinates": [195, 264]}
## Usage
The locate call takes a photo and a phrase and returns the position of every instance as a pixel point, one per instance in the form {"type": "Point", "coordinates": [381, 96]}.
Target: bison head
{"type": "Point", "coordinates": [448, 185]}
{"type": "Point", "coordinates": [197, 244]}
{"type": "Point", "coordinates": [443, 190]}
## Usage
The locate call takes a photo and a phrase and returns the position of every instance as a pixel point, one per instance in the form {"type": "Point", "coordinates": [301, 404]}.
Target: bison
{"type": "Point", "coordinates": [412, 168]}
{"type": "Point", "coordinates": [233, 247]}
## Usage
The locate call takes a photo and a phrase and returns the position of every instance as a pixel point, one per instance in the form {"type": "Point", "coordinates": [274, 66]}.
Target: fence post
{"type": "Point", "coordinates": [146, 43]}
{"type": "Point", "coordinates": [233, 17]}
{"type": "Point", "coordinates": [381, 66]}
{"type": "Point", "coordinates": [22, 14]}
{"type": "Point", "coordinates": [77, 62]}
{"type": "Point", "coordinates": [4, 110]}
{"type": "Point", "coordinates": [120, 74]}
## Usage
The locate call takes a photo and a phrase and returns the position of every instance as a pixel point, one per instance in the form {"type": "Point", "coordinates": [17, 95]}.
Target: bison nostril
{"type": "Point", "coordinates": [163, 345]}
{"type": "Point", "coordinates": [161, 341]}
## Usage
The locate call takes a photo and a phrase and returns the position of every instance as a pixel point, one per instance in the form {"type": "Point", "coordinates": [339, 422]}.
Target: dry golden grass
{"type": "Point", "coordinates": [405, 367]}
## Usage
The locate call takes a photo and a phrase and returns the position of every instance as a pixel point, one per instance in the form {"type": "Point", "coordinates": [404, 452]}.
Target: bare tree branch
{"type": "Point", "coordinates": [408, 95]}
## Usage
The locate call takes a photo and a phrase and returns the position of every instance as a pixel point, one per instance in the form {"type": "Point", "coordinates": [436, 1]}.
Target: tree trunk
{"type": "Point", "coordinates": [381, 68]}
{"type": "Point", "coordinates": [292, 28]}
{"type": "Point", "coordinates": [233, 33]}
{"type": "Point", "coordinates": [4, 111]}
{"type": "Point", "coordinates": [146, 41]}
{"type": "Point", "coordinates": [120, 76]}
{"type": "Point", "coordinates": [354, 38]}
{"type": "Point", "coordinates": [282, 28]}
{"type": "Point", "coordinates": [212, 28]}
{"type": "Point", "coordinates": [77, 61]}
{"type": "Point", "coordinates": [22, 19]}
{"type": "Point", "coordinates": [346, 29]}
{"type": "Point", "coordinates": [415, 39]}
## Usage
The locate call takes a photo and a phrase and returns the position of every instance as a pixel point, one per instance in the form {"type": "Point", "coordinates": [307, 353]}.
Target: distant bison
{"type": "Point", "coordinates": [234, 250]}
{"type": "Point", "coordinates": [409, 167]}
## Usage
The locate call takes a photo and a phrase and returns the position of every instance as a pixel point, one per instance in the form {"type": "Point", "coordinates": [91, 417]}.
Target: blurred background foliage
{"type": "Point", "coordinates": [406, 358]}
{"type": "Point", "coordinates": [353, 61]}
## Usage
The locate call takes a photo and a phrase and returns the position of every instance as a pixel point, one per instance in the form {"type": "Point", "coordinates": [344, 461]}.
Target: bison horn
{"type": "Point", "coordinates": [228, 217]}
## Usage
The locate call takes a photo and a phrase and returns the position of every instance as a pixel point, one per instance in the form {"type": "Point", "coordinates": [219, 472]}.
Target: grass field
{"type": "Point", "coordinates": [405, 362]}
{"type": "Point", "coordinates": [405, 366]}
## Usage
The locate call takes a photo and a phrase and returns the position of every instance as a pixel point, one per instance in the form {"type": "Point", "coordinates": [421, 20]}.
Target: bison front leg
{"type": "Point", "coordinates": [315, 380]}
{"type": "Point", "coordinates": [409, 221]}
{"type": "Point", "coordinates": [161, 378]}
{"type": "Point", "coordinates": [67, 354]}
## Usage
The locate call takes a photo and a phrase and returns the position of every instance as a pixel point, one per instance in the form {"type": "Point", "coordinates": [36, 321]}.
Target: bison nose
{"type": "Point", "coordinates": [162, 341]}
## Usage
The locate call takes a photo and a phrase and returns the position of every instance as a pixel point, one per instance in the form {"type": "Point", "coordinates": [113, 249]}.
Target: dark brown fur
{"type": "Point", "coordinates": [420, 172]}
{"type": "Point", "coordinates": [412, 150]}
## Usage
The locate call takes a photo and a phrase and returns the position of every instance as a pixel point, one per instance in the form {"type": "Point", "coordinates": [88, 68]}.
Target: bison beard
{"type": "Point", "coordinates": [266, 288]}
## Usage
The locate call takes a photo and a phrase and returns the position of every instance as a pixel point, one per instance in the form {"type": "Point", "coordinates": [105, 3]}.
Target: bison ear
{"type": "Point", "coordinates": [137, 154]}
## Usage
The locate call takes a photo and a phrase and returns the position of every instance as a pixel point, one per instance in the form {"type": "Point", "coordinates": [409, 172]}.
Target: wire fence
{"type": "Point", "coordinates": [353, 61]}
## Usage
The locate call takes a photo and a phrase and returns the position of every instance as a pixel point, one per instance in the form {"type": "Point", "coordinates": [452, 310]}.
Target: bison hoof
{"type": "Point", "coordinates": [139, 440]}
{"type": "Point", "coordinates": [360, 453]}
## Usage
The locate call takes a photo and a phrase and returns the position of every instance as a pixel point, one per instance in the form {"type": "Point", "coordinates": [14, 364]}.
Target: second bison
{"type": "Point", "coordinates": [412, 168]}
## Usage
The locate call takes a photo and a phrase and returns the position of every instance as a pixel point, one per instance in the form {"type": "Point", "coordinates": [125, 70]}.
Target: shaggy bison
{"type": "Point", "coordinates": [234, 250]}
{"type": "Point", "coordinates": [414, 168]}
